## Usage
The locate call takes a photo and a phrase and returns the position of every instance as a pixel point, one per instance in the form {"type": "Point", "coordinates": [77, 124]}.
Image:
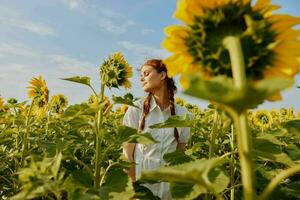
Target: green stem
{"type": "Point", "coordinates": [99, 138]}
{"type": "Point", "coordinates": [234, 47]}
{"type": "Point", "coordinates": [276, 181]}
{"type": "Point", "coordinates": [25, 146]}
{"type": "Point", "coordinates": [95, 93]}
{"type": "Point", "coordinates": [106, 171]}
{"type": "Point", "coordinates": [232, 164]}
{"type": "Point", "coordinates": [48, 119]}
{"type": "Point", "coordinates": [213, 135]}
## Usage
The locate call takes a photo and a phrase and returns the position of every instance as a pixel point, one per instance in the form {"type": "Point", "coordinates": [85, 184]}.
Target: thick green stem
{"type": "Point", "coordinates": [275, 181]}
{"type": "Point", "coordinates": [233, 45]}
{"type": "Point", "coordinates": [99, 138]}
{"type": "Point", "coordinates": [25, 146]}
{"type": "Point", "coordinates": [213, 136]}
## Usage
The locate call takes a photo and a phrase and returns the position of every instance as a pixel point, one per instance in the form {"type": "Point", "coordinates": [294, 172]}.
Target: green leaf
{"type": "Point", "coordinates": [268, 148]}
{"type": "Point", "coordinates": [82, 177]}
{"type": "Point", "coordinates": [293, 126]}
{"type": "Point", "coordinates": [79, 79]}
{"type": "Point", "coordinates": [125, 132]}
{"type": "Point", "coordinates": [201, 173]}
{"type": "Point", "coordinates": [293, 189]}
{"type": "Point", "coordinates": [177, 157]}
{"type": "Point", "coordinates": [220, 89]}
{"type": "Point", "coordinates": [176, 121]}
{"type": "Point", "coordinates": [127, 99]}
{"type": "Point", "coordinates": [143, 138]}
{"type": "Point", "coordinates": [118, 184]}
{"type": "Point", "coordinates": [142, 192]}
{"type": "Point", "coordinates": [131, 135]}
{"type": "Point", "coordinates": [293, 151]}
{"type": "Point", "coordinates": [78, 110]}
{"type": "Point", "coordinates": [56, 164]}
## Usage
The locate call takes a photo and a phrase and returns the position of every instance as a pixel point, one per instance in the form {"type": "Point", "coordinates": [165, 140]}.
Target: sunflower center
{"type": "Point", "coordinates": [205, 43]}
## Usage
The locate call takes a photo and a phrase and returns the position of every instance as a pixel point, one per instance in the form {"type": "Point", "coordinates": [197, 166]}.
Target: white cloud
{"type": "Point", "coordinates": [7, 50]}
{"type": "Point", "coordinates": [13, 18]}
{"type": "Point", "coordinates": [143, 50]}
{"type": "Point", "coordinates": [19, 63]}
{"type": "Point", "coordinates": [72, 4]}
{"type": "Point", "coordinates": [68, 63]}
{"type": "Point", "coordinates": [114, 27]}
{"type": "Point", "coordinates": [147, 31]}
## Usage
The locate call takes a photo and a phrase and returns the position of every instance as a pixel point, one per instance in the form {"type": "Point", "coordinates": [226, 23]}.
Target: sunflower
{"type": "Point", "coordinates": [262, 119]}
{"type": "Point", "coordinates": [115, 71]}
{"type": "Point", "coordinates": [120, 111]}
{"type": "Point", "coordinates": [270, 44]}
{"type": "Point", "coordinates": [39, 110]}
{"type": "Point", "coordinates": [286, 114]}
{"type": "Point", "coordinates": [93, 102]}
{"type": "Point", "coordinates": [180, 101]}
{"type": "Point", "coordinates": [58, 103]}
{"type": "Point", "coordinates": [38, 90]}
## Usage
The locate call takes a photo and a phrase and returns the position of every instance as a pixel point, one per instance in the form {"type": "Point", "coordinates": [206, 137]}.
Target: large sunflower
{"type": "Point", "coordinates": [115, 71]}
{"type": "Point", "coordinates": [270, 44]}
{"type": "Point", "coordinates": [38, 90]}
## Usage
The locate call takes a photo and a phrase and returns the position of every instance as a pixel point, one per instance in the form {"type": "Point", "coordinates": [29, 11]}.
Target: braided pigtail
{"type": "Point", "coordinates": [146, 109]}
{"type": "Point", "coordinates": [172, 89]}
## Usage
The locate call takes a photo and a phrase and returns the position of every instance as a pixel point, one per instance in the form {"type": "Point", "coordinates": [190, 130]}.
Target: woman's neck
{"type": "Point", "coordinates": [161, 97]}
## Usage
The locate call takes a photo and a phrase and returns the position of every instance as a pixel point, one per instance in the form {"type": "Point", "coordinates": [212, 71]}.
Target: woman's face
{"type": "Point", "coordinates": [151, 79]}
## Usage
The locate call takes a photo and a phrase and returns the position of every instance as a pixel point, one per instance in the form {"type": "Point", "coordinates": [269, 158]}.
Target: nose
{"type": "Point", "coordinates": [142, 78]}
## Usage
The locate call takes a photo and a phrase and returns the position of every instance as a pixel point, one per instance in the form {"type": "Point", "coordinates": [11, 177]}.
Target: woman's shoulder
{"type": "Point", "coordinates": [138, 106]}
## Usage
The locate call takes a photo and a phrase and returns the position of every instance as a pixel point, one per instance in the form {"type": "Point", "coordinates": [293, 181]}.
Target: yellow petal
{"type": "Point", "coordinates": [177, 31]}
{"type": "Point", "coordinates": [174, 45]}
{"type": "Point", "coordinates": [261, 4]}
{"type": "Point", "coordinates": [181, 12]}
{"type": "Point", "coordinates": [283, 22]}
{"type": "Point", "coordinates": [184, 81]}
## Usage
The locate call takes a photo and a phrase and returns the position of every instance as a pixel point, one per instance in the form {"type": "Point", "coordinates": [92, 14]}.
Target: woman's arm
{"type": "Point", "coordinates": [128, 151]}
{"type": "Point", "coordinates": [131, 119]}
{"type": "Point", "coordinates": [181, 146]}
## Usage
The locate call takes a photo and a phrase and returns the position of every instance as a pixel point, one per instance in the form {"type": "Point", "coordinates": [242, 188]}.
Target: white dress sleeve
{"type": "Point", "coordinates": [131, 117]}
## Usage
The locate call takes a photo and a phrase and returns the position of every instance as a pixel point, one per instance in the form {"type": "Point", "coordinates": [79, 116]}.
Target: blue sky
{"type": "Point", "coordinates": [63, 38]}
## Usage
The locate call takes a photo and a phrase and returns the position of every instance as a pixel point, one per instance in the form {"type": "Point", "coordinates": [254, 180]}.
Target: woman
{"type": "Point", "coordinates": [157, 107]}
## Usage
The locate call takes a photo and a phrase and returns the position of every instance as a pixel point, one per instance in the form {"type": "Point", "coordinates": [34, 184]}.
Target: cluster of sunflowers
{"type": "Point", "coordinates": [39, 93]}
{"type": "Point", "coordinates": [268, 119]}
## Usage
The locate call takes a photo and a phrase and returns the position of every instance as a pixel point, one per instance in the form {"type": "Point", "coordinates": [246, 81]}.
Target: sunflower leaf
{"type": "Point", "coordinates": [220, 89]}
{"type": "Point", "coordinates": [293, 126]}
{"type": "Point", "coordinates": [192, 177]}
{"type": "Point", "coordinates": [85, 80]}
{"type": "Point", "coordinates": [127, 99]}
{"type": "Point", "coordinates": [175, 121]}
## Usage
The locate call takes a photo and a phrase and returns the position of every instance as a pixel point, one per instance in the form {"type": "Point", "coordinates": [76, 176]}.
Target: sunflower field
{"type": "Point", "coordinates": [233, 53]}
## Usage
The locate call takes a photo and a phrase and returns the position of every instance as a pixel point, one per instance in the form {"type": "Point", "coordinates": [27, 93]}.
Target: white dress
{"type": "Point", "coordinates": [150, 157]}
